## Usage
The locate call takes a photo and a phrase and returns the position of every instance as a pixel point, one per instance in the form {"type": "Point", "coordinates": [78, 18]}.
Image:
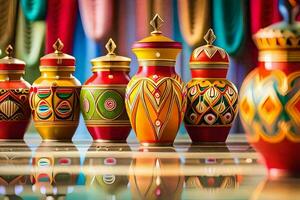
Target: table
{"type": "Point", "coordinates": [87, 170]}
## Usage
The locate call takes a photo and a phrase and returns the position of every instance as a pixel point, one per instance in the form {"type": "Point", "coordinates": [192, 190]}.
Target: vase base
{"type": "Point", "coordinates": [147, 144]}
{"type": "Point", "coordinates": [204, 134]}
{"type": "Point", "coordinates": [56, 131]}
{"type": "Point", "coordinates": [109, 141]}
{"type": "Point", "coordinates": [113, 134]}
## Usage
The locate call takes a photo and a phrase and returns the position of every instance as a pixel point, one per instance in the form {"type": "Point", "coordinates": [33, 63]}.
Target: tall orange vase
{"type": "Point", "coordinates": [155, 96]}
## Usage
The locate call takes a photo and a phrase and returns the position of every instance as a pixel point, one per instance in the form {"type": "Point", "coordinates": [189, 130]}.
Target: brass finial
{"type": "Point", "coordinates": [156, 23]}
{"type": "Point", "coordinates": [210, 37]}
{"type": "Point", "coordinates": [58, 46]}
{"type": "Point", "coordinates": [9, 51]}
{"type": "Point", "coordinates": [110, 46]}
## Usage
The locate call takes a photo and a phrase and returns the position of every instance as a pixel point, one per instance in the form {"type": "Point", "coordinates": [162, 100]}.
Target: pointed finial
{"type": "Point", "coordinates": [9, 51]}
{"type": "Point", "coordinates": [156, 23]}
{"type": "Point", "coordinates": [58, 46]}
{"type": "Point", "coordinates": [210, 37]}
{"type": "Point", "coordinates": [110, 46]}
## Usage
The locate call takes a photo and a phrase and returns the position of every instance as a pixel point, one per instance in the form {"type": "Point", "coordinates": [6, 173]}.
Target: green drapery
{"type": "Point", "coordinates": [228, 19]}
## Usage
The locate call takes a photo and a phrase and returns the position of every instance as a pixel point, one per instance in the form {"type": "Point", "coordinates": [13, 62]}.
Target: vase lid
{"type": "Point", "coordinates": [111, 60]}
{"type": "Point", "coordinates": [9, 62]}
{"type": "Point", "coordinates": [209, 56]}
{"type": "Point", "coordinates": [57, 58]}
{"type": "Point", "coordinates": [284, 35]}
{"type": "Point", "coordinates": [157, 46]}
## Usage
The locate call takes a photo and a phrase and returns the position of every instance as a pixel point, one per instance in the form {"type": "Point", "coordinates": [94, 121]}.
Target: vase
{"type": "Point", "coordinates": [211, 98]}
{"type": "Point", "coordinates": [102, 97]}
{"type": "Point", "coordinates": [15, 111]}
{"type": "Point", "coordinates": [54, 96]}
{"type": "Point", "coordinates": [155, 96]}
{"type": "Point", "coordinates": [270, 96]}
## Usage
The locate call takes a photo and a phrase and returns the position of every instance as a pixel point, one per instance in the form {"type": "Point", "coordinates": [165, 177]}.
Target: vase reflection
{"type": "Point", "coordinates": [55, 170]}
{"type": "Point", "coordinates": [104, 175]}
{"type": "Point", "coordinates": [279, 188]}
{"type": "Point", "coordinates": [14, 185]}
{"type": "Point", "coordinates": [156, 177]}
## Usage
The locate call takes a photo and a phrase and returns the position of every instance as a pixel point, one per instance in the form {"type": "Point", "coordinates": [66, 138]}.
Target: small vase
{"type": "Point", "coordinates": [54, 97]}
{"type": "Point", "coordinates": [15, 111]}
{"type": "Point", "coordinates": [270, 95]}
{"type": "Point", "coordinates": [211, 98]}
{"type": "Point", "coordinates": [155, 96]}
{"type": "Point", "coordinates": [103, 97]}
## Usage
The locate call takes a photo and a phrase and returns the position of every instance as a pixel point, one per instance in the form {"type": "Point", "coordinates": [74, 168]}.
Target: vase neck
{"type": "Point", "coordinates": [8, 76]}
{"type": "Point", "coordinates": [209, 73]}
{"type": "Point", "coordinates": [156, 70]}
{"type": "Point", "coordinates": [286, 67]}
{"type": "Point", "coordinates": [62, 72]}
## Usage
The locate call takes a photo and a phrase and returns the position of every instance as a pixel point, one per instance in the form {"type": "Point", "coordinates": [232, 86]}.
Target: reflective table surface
{"type": "Point", "coordinates": [86, 170]}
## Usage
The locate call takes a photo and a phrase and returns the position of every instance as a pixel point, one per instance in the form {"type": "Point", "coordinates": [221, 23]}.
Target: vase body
{"type": "Point", "coordinates": [54, 98]}
{"type": "Point", "coordinates": [211, 98]}
{"type": "Point", "coordinates": [103, 99]}
{"type": "Point", "coordinates": [155, 104]}
{"type": "Point", "coordinates": [155, 96]}
{"type": "Point", "coordinates": [103, 106]}
{"type": "Point", "coordinates": [270, 113]}
{"type": "Point", "coordinates": [15, 111]}
{"type": "Point", "coordinates": [270, 96]}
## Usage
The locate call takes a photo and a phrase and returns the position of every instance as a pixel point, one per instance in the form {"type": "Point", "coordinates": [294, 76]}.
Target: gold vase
{"type": "Point", "coordinates": [54, 96]}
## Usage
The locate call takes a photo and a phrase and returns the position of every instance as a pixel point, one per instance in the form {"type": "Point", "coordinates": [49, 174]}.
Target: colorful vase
{"type": "Point", "coordinates": [155, 96]}
{"type": "Point", "coordinates": [154, 177]}
{"type": "Point", "coordinates": [102, 97]}
{"type": "Point", "coordinates": [14, 97]}
{"type": "Point", "coordinates": [54, 96]}
{"type": "Point", "coordinates": [270, 95]}
{"type": "Point", "coordinates": [211, 99]}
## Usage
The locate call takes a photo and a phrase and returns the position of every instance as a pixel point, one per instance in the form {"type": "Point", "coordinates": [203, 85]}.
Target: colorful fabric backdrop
{"type": "Point", "coordinates": [85, 26]}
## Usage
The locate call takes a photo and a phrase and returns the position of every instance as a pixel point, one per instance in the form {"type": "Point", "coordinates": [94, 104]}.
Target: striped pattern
{"type": "Point", "coordinates": [9, 108]}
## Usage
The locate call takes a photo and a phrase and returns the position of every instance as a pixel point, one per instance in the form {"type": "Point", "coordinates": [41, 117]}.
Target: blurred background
{"type": "Point", "coordinates": [85, 26]}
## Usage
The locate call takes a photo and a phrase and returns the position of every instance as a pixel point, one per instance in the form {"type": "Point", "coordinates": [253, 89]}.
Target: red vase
{"type": "Point", "coordinates": [270, 96]}
{"type": "Point", "coordinates": [103, 97]}
{"type": "Point", "coordinates": [211, 98]}
{"type": "Point", "coordinates": [14, 98]}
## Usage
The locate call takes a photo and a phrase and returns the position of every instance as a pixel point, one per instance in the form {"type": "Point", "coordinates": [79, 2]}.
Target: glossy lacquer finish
{"type": "Point", "coordinates": [270, 96]}
{"type": "Point", "coordinates": [211, 98]}
{"type": "Point", "coordinates": [155, 96]}
{"type": "Point", "coordinates": [14, 98]}
{"type": "Point", "coordinates": [54, 96]}
{"type": "Point", "coordinates": [103, 97]}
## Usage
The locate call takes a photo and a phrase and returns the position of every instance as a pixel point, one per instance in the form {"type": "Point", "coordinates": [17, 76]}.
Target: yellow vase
{"type": "Point", "coordinates": [54, 96]}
